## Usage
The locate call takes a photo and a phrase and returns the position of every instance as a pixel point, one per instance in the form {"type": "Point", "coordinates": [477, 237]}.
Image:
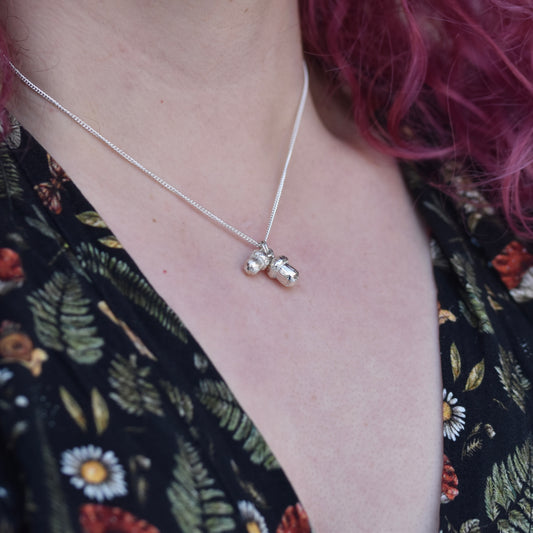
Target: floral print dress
{"type": "Point", "coordinates": [113, 420]}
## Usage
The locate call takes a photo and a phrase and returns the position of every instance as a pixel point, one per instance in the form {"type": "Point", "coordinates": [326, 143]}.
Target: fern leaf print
{"type": "Point", "coordinates": [63, 319]}
{"type": "Point", "coordinates": [219, 400]}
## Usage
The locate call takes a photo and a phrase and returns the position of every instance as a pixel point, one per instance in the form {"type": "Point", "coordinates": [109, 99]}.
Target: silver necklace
{"type": "Point", "coordinates": [262, 258]}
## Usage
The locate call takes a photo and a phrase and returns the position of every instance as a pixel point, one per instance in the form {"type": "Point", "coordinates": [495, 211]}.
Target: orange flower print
{"type": "Point", "coordinates": [11, 273]}
{"type": "Point", "coordinates": [450, 482]}
{"type": "Point", "coordinates": [445, 315]}
{"type": "Point", "coordinates": [294, 520]}
{"type": "Point", "coordinates": [512, 263]}
{"type": "Point", "coordinates": [49, 192]}
{"type": "Point", "coordinates": [17, 347]}
{"type": "Point", "coordinates": [96, 518]}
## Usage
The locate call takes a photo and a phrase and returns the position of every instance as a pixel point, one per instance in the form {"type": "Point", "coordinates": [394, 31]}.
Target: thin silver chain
{"type": "Point", "coordinates": [167, 185]}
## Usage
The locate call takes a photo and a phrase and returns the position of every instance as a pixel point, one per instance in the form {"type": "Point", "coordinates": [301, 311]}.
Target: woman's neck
{"type": "Point", "coordinates": [225, 60]}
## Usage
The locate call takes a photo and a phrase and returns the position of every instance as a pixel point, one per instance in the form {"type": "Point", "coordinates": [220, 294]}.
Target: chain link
{"type": "Point", "coordinates": [167, 185]}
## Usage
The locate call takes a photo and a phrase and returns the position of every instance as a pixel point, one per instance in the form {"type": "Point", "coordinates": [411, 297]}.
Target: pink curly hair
{"type": "Point", "coordinates": [432, 78]}
{"type": "Point", "coordinates": [438, 78]}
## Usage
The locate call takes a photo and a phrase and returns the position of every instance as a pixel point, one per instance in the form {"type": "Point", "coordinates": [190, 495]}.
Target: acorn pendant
{"type": "Point", "coordinates": [276, 267]}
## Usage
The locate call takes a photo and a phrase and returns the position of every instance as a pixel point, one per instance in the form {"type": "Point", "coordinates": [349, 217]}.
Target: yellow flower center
{"type": "Point", "coordinates": [93, 472]}
{"type": "Point", "coordinates": [446, 411]}
{"type": "Point", "coordinates": [252, 527]}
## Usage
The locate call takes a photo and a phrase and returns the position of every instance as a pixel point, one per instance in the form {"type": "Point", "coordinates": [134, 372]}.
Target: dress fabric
{"type": "Point", "coordinates": [113, 419]}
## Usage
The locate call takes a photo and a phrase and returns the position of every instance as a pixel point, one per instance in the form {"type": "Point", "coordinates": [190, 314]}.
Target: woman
{"type": "Point", "coordinates": [114, 419]}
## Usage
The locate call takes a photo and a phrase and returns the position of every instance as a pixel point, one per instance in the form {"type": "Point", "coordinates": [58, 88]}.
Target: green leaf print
{"type": "Point", "coordinates": [197, 505]}
{"type": "Point", "coordinates": [474, 294]}
{"type": "Point", "coordinates": [131, 285]}
{"type": "Point", "coordinates": [455, 359]}
{"type": "Point", "coordinates": [9, 175]}
{"type": "Point", "coordinates": [509, 491]}
{"type": "Point", "coordinates": [73, 408]}
{"type": "Point", "coordinates": [132, 390]}
{"type": "Point", "coordinates": [100, 411]}
{"type": "Point", "coordinates": [63, 320]}
{"type": "Point", "coordinates": [110, 241]}
{"type": "Point", "coordinates": [41, 224]}
{"type": "Point", "coordinates": [249, 487]}
{"type": "Point", "coordinates": [180, 400]}
{"type": "Point", "coordinates": [438, 209]}
{"type": "Point", "coordinates": [91, 218]}
{"type": "Point", "coordinates": [219, 400]}
{"type": "Point", "coordinates": [513, 380]}
{"type": "Point", "coordinates": [471, 447]}
{"type": "Point", "coordinates": [58, 512]}
{"type": "Point", "coordinates": [475, 377]}
{"type": "Point", "coordinates": [470, 526]}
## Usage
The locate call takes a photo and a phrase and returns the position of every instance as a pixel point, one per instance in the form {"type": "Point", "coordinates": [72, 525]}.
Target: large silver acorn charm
{"type": "Point", "coordinates": [280, 269]}
{"type": "Point", "coordinates": [276, 267]}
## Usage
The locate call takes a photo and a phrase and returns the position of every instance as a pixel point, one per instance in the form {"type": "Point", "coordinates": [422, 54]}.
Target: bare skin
{"type": "Point", "coordinates": [341, 374]}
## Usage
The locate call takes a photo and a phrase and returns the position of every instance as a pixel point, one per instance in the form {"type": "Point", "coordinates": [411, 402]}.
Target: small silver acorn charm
{"type": "Point", "coordinates": [276, 267]}
{"type": "Point", "coordinates": [280, 269]}
{"type": "Point", "coordinates": [259, 260]}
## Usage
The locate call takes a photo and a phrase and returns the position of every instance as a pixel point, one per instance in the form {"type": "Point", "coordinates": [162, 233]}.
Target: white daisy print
{"type": "Point", "coordinates": [524, 291]}
{"type": "Point", "coordinates": [252, 518]}
{"type": "Point", "coordinates": [98, 473]}
{"type": "Point", "coordinates": [453, 416]}
{"type": "Point", "coordinates": [5, 376]}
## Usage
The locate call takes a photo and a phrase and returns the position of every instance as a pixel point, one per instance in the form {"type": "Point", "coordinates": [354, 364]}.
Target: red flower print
{"type": "Point", "coordinates": [17, 347]}
{"type": "Point", "coordinates": [95, 518]}
{"type": "Point", "coordinates": [450, 482]}
{"type": "Point", "coordinates": [294, 520]}
{"type": "Point", "coordinates": [49, 191]}
{"type": "Point", "coordinates": [11, 273]}
{"type": "Point", "coordinates": [10, 266]}
{"type": "Point", "coordinates": [512, 263]}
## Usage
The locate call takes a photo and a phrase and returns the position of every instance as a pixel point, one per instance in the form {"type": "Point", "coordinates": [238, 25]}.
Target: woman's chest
{"type": "Point", "coordinates": [350, 401]}
{"type": "Point", "coordinates": [340, 374]}
{"type": "Point", "coordinates": [342, 377]}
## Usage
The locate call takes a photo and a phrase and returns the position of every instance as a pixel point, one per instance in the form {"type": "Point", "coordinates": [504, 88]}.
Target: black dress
{"type": "Point", "coordinates": [112, 418]}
